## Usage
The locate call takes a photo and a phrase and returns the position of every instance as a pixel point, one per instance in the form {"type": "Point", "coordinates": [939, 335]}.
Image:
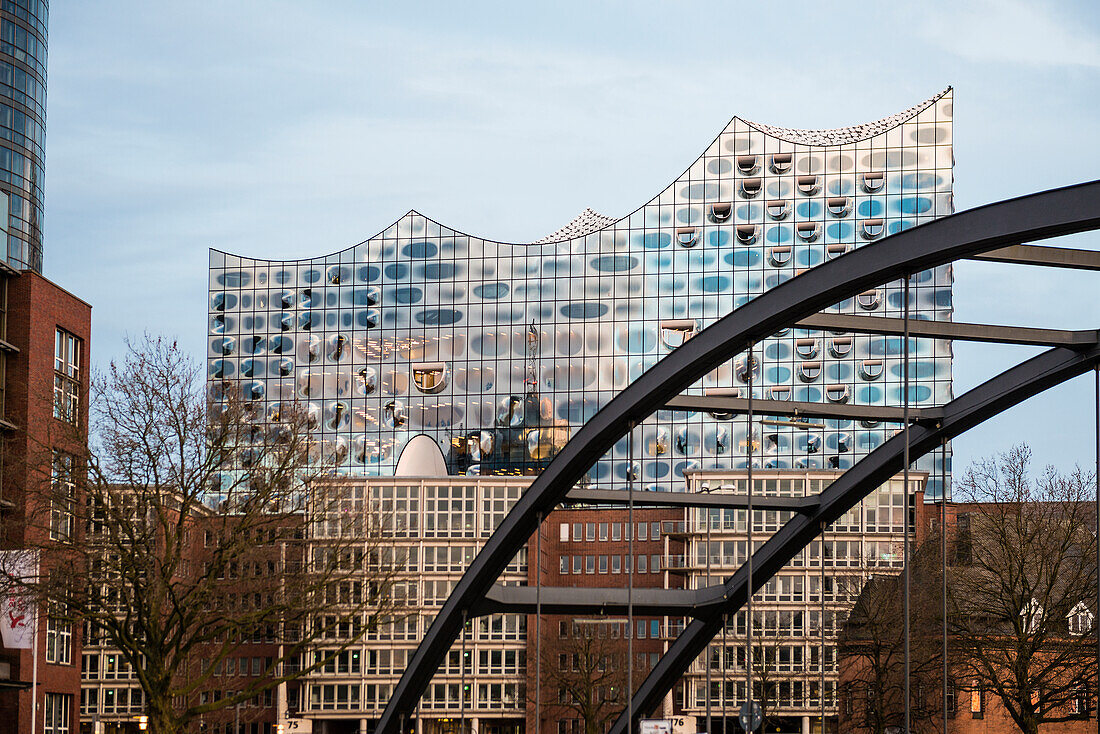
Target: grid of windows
{"type": "Point", "coordinates": [499, 352]}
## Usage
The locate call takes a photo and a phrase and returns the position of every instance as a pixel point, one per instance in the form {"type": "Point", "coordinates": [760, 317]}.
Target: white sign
{"type": "Point", "coordinates": [655, 726]}
{"type": "Point", "coordinates": [17, 609]}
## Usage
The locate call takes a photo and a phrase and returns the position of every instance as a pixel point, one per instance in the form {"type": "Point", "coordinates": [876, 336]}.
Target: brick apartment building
{"type": "Point", "coordinates": [44, 335]}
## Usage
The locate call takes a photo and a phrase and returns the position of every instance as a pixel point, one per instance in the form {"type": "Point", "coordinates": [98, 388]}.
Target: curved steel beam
{"type": "Point", "coordinates": [1003, 224]}
{"type": "Point", "coordinates": [968, 410]}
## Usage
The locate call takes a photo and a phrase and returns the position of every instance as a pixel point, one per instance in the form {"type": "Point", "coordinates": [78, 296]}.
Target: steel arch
{"type": "Point", "coordinates": [1034, 217]}
{"type": "Point", "coordinates": [1004, 391]}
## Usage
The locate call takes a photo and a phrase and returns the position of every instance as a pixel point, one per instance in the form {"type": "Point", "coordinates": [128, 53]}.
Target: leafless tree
{"type": "Point", "coordinates": [584, 674]}
{"type": "Point", "coordinates": [188, 528]}
{"type": "Point", "coordinates": [1028, 564]}
{"type": "Point", "coordinates": [872, 646]}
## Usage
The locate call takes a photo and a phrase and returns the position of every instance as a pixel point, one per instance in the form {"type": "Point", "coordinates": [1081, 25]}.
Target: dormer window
{"type": "Point", "coordinates": [808, 231]}
{"type": "Point", "coordinates": [809, 371]}
{"type": "Point", "coordinates": [430, 377]}
{"type": "Point", "coordinates": [808, 185]}
{"type": "Point", "coordinates": [869, 300]}
{"type": "Point", "coordinates": [836, 250]}
{"type": "Point", "coordinates": [778, 209]}
{"type": "Point", "coordinates": [781, 162]}
{"type": "Point", "coordinates": [806, 348]}
{"type": "Point", "coordinates": [779, 256]}
{"type": "Point", "coordinates": [873, 181]}
{"type": "Point", "coordinates": [747, 233]}
{"type": "Point", "coordinates": [838, 206]}
{"type": "Point", "coordinates": [687, 236]}
{"type": "Point", "coordinates": [1032, 616]}
{"type": "Point", "coordinates": [1080, 619]}
{"type": "Point", "coordinates": [837, 393]}
{"type": "Point", "coordinates": [750, 187]}
{"type": "Point", "coordinates": [676, 332]}
{"type": "Point", "coordinates": [870, 369]}
{"type": "Point", "coordinates": [721, 211]}
{"type": "Point", "coordinates": [872, 228]}
{"type": "Point", "coordinates": [747, 164]}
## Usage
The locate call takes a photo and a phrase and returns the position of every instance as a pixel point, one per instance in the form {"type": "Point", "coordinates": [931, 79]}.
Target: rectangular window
{"type": "Point", "coordinates": [56, 718]}
{"type": "Point", "coordinates": [655, 531]}
{"type": "Point", "coordinates": [576, 564]}
{"type": "Point", "coordinates": [563, 565]}
{"type": "Point", "coordinates": [577, 534]}
{"type": "Point", "coordinates": [616, 531]}
{"type": "Point", "coordinates": [563, 532]}
{"type": "Point", "coordinates": [616, 564]}
{"type": "Point", "coordinates": [590, 564]}
{"type": "Point", "coordinates": [642, 527]}
{"type": "Point", "coordinates": [655, 563]}
{"type": "Point", "coordinates": [641, 564]}
{"type": "Point", "coordinates": [63, 499]}
{"type": "Point", "coordinates": [976, 702]}
{"type": "Point", "coordinates": [603, 531]}
{"type": "Point", "coordinates": [603, 564]}
{"type": "Point", "coordinates": [66, 378]}
{"type": "Point", "coordinates": [59, 642]}
{"type": "Point", "coordinates": [590, 531]}
{"type": "Point", "coordinates": [951, 698]}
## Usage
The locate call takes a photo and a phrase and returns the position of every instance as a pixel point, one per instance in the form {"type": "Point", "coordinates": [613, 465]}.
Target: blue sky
{"type": "Point", "coordinates": [289, 129]}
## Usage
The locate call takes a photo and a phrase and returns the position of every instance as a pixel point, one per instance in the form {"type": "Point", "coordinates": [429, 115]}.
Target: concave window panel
{"type": "Point", "coordinates": [721, 211]}
{"type": "Point", "coordinates": [870, 369]}
{"type": "Point", "coordinates": [782, 162]}
{"type": "Point", "coordinates": [779, 256]}
{"type": "Point", "coordinates": [869, 300]}
{"type": "Point", "coordinates": [808, 185]}
{"type": "Point", "coordinates": [840, 346]}
{"type": "Point", "coordinates": [430, 377]}
{"type": "Point", "coordinates": [687, 236]}
{"type": "Point", "coordinates": [778, 208]}
{"type": "Point", "coordinates": [837, 393]}
{"type": "Point", "coordinates": [836, 249]}
{"type": "Point", "coordinates": [808, 231]}
{"type": "Point", "coordinates": [750, 187]}
{"type": "Point", "coordinates": [675, 332]}
{"type": "Point", "coordinates": [747, 233]}
{"type": "Point", "coordinates": [809, 371]}
{"type": "Point", "coordinates": [806, 347]}
{"type": "Point", "coordinates": [748, 164]}
{"type": "Point", "coordinates": [721, 392]}
{"type": "Point", "coordinates": [872, 228]}
{"type": "Point", "coordinates": [781, 392]}
{"type": "Point", "coordinates": [873, 181]}
{"type": "Point", "coordinates": [838, 206]}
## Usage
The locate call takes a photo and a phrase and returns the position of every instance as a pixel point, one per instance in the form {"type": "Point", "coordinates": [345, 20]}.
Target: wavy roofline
{"type": "Point", "coordinates": [888, 123]}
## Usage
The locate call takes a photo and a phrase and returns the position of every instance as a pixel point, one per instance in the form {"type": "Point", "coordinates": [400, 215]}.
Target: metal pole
{"type": "Point", "coordinates": [630, 589]}
{"type": "Point", "coordinates": [943, 568]}
{"type": "Point", "coordinates": [905, 481]}
{"type": "Point", "coordinates": [462, 678]}
{"type": "Point", "coordinates": [707, 583]}
{"type": "Point", "coordinates": [749, 655]}
{"type": "Point", "coordinates": [821, 692]}
{"type": "Point", "coordinates": [538, 626]}
{"type": "Point", "coordinates": [1096, 619]}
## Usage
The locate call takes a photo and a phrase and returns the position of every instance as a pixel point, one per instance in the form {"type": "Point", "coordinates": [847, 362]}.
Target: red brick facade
{"type": "Point", "coordinates": [35, 309]}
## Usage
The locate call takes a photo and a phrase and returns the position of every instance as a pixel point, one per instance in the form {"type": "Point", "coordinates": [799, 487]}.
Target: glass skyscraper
{"type": "Point", "coordinates": [22, 129]}
{"type": "Point", "coordinates": [499, 351]}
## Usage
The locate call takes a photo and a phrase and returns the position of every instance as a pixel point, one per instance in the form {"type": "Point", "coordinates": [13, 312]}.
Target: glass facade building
{"type": "Point", "coordinates": [22, 129]}
{"type": "Point", "coordinates": [499, 351]}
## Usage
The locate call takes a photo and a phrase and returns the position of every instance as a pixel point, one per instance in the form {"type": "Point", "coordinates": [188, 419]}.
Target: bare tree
{"type": "Point", "coordinates": [584, 674]}
{"type": "Point", "coordinates": [872, 645]}
{"type": "Point", "coordinates": [1029, 552]}
{"type": "Point", "coordinates": [188, 528]}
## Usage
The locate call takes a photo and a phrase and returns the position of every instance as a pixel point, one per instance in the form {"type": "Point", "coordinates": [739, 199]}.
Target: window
{"type": "Point", "coordinates": [951, 702]}
{"type": "Point", "coordinates": [617, 531]}
{"type": "Point", "coordinates": [563, 532]}
{"type": "Point", "coordinates": [64, 497]}
{"type": "Point", "coordinates": [563, 565]}
{"type": "Point", "coordinates": [59, 642]}
{"type": "Point", "coordinates": [56, 718]}
{"type": "Point", "coordinates": [590, 531]}
{"type": "Point", "coordinates": [603, 531]}
{"type": "Point", "coordinates": [977, 708]}
{"type": "Point", "coordinates": [66, 379]}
